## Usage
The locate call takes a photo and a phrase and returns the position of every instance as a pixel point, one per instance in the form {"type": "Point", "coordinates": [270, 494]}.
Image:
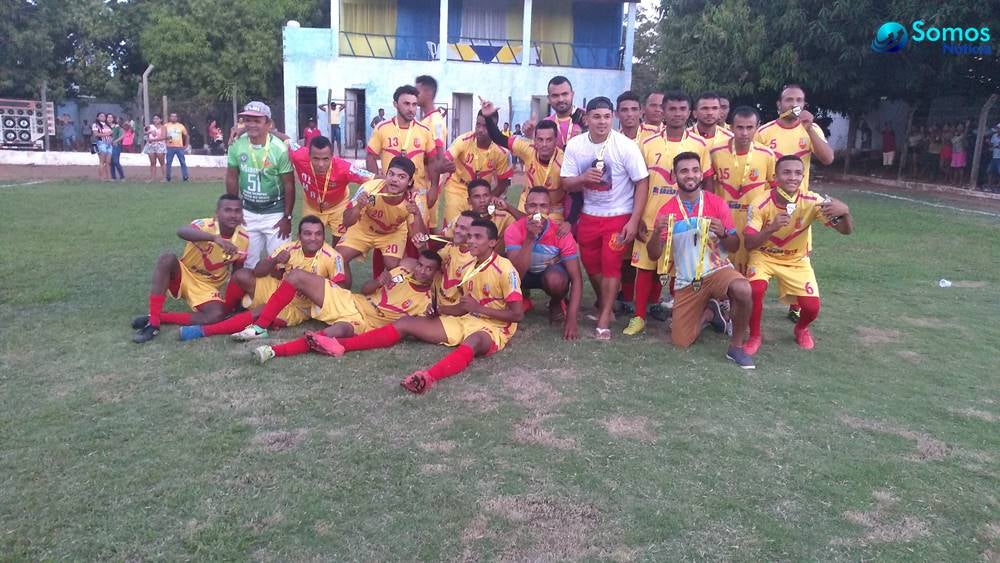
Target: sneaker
{"type": "Point", "coordinates": [140, 321]}
{"type": "Point", "coordinates": [145, 334]}
{"type": "Point", "coordinates": [658, 312]}
{"type": "Point", "coordinates": [417, 383]}
{"type": "Point", "coordinates": [635, 326]}
{"type": "Point", "coordinates": [623, 307]}
{"type": "Point", "coordinates": [741, 358]}
{"type": "Point", "coordinates": [263, 354]}
{"type": "Point", "coordinates": [804, 338]}
{"type": "Point", "coordinates": [719, 322]}
{"type": "Point", "coordinates": [191, 332]}
{"type": "Point", "coordinates": [794, 313]}
{"type": "Point", "coordinates": [252, 332]}
{"type": "Point", "coordinates": [323, 344]}
{"type": "Point", "coordinates": [752, 345]}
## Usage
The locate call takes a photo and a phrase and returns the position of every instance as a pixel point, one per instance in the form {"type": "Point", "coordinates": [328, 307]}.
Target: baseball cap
{"type": "Point", "coordinates": [258, 109]}
{"type": "Point", "coordinates": [600, 102]}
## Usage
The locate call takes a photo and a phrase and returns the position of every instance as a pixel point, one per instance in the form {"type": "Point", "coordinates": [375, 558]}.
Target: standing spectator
{"type": "Point", "coordinates": [68, 132]}
{"type": "Point", "coordinates": [215, 138]}
{"type": "Point", "coordinates": [177, 144]}
{"type": "Point", "coordinates": [888, 145]}
{"type": "Point", "coordinates": [993, 172]}
{"type": "Point", "coordinates": [128, 137]}
{"type": "Point", "coordinates": [958, 155]}
{"type": "Point", "coordinates": [517, 131]}
{"type": "Point", "coordinates": [156, 146]}
{"type": "Point", "coordinates": [933, 155]}
{"type": "Point", "coordinates": [310, 132]}
{"type": "Point", "coordinates": [117, 138]}
{"type": "Point", "coordinates": [100, 134]}
{"type": "Point", "coordinates": [866, 135]}
{"type": "Point", "coordinates": [506, 129]}
{"type": "Point", "coordinates": [333, 110]}
{"type": "Point", "coordinates": [914, 143]}
{"type": "Point", "coordinates": [944, 162]}
{"type": "Point", "coordinates": [88, 137]}
{"type": "Point", "coordinates": [378, 118]}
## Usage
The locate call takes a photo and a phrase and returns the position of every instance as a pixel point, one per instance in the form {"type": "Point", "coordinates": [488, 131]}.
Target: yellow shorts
{"type": "Point", "coordinates": [555, 211]}
{"type": "Point", "coordinates": [795, 279]}
{"type": "Point", "coordinates": [455, 202]}
{"type": "Point", "coordinates": [193, 289]}
{"type": "Point", "coordinates": [640, 256]}
{"type": "Point", "coordinates": [363, 239]}
{"type": "Point", "coordinates": [339, 307]}
{"type": "Point", "coordinates": [295, 313]}
{"type": "Point", "coordinates": [332, 217]}
{"type": "Point", "coordinates": [458, 329]}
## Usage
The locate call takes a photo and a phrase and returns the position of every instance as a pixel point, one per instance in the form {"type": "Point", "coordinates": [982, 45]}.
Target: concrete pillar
{"type": "Point", "coordinates": [526, 50]}
{"type": "Point", "coordinates": [335, 29]}
{"type": "Point", "coordinates": [443, 32]}
{"type": "Point", "coordinates": [630, 39]}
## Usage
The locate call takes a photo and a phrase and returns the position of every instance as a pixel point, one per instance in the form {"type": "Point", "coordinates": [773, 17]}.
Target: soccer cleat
{"type": "Point", "coordinates": [191, 332]}
{"type": "Point", "coordinates": [623, 307]}
{"type": "Point", "coordinates": [263, 353]}
{"type": "Point", "coordinates": [140, 321]}
{"type": "Point", "coordinates": [323, 344]}
{"type": "Point", "coordinates": [417, 382]}
{"type": "Point", "coordinates": [740, 357]}
{"type": "Point", "coordinates": [659, 312]}
{"type": "Point", "coordinates": [252, 332]}
{"type": "Point", "coordinates": [804, 338]}
{"type": "Point", "coordinates": [145, 334]}
{"type": "Point", "coordinates": [635, 326]}
{"type": "Point", "coordinates": [752, 345]}
{"type": "Point", "coordinates": [794, 313]}
{"type": "Point", "coordinates": [719, 322]}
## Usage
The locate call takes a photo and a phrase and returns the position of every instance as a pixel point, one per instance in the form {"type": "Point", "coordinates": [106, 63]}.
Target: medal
{"type": "Point", "coordinates": [472, 273]}
{"type": "Point", "coordinates": [537, 217]}
{"type": "Point", "coordinates": [790, 208]}
{"type": "Point", "coordinates": [795, 111]}
{"type": "Point", "coordinates": [667, 248]}
{"type": "Point", "coordinates": [491, 209]}
{"type": "Point", "coordinates": [398, 278]}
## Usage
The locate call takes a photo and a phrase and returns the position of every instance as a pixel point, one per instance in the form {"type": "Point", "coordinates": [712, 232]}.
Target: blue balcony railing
{"type": "Point", "coordinates": [481, 50]}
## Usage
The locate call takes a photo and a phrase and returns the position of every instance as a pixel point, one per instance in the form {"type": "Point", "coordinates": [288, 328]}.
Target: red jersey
{"type": "Point", "coordinates": [320, 190]}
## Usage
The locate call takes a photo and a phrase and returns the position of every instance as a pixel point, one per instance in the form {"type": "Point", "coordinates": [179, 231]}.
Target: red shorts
{"type": "Point", "coordinates": [594, 236]}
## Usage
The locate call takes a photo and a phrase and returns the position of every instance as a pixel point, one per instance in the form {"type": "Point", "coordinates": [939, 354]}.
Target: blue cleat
{"type": "Point", "coordinates": [191, 332]}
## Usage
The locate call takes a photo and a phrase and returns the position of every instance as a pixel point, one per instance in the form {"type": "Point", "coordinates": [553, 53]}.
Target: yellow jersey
{"type": "Point", "coordinates": [454, 263]}
{"type": "Point", "coordinates": [416, 142]}
{"type": "Point", "coordinates": [720, 138]}
{"type": "Point", "coordinates": [207, 260]}
{"type": "Point", "coordinates": [494, 283]}
{"type": "Point", "coordinates": [438, 126]}
{"type": "Point", "coordinates": [784, 140]}
{"type": "Point", "coordinates": [380, 217]}
{"type": "Point", "coordinates": [658, 151]}
{"type": "Point", "coordinates": [402, 296]}
{"type": "Point", "coordinates": [471, 162]}
{"type": "Point", "coordinates": [742, 178]}
{"type": "Point", "coordinates": [791, 243]}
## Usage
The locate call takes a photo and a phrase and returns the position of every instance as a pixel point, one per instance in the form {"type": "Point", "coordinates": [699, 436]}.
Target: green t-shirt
{"type": "Point", "coordinates": [261, 188]}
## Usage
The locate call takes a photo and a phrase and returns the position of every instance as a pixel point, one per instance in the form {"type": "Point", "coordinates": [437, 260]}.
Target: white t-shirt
{"type": "Point", "coordinates": [623, 167]}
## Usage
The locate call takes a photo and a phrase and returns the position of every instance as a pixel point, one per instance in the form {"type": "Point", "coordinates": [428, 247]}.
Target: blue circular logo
{"type": "Point", "coordinates": [890, 38]}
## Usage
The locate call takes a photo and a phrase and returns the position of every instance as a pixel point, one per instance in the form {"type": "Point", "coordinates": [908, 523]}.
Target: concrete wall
{"type": "Point", "coordinates": [309, 61]}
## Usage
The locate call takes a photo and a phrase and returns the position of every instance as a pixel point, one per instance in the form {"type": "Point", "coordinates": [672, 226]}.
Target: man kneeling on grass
{"type": "Point", "coordinates": [406, 291]}
{"type": "Point", "coordinates": [309, 254]}
{"type": "Point", "coordinates": [215, 245]}
{"type": "Point", "coordinates": [491, 300]}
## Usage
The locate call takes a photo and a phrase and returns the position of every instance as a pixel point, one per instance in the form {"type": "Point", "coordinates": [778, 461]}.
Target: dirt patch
{"type": "Point", "coordinates": [280, 440]}
{"type": "Point", "coordinates": [879, 527]}
{"type": "Point", "coordinates": [529, 431]}
{"type": "Point", "coordinates": [991, 531]}
{"type": "Point", "coordinates": [910, 356]}
{"type": "Point", "coordinates": [635, 428]}
{"type": "Point", "coordinates": [981, 415]}
{"type": "Point", "coordinates": [968, 284]}
{"type": "Point", "coordinates": [324, 529]}
{"type": "Point", "coordinates": [481, 401]}
{"type": "Point", "coordinates": [928, 448]}
{"type": "Point", "coordinates": [433, 468]}
{"type": "Point", "coordinates": [530, 390]}
{"type": "Point", "coordinates": [544, 529]}
{"type": "Point", "coordinates": [872, 336]}
{"type": "Point", "coordinates": [438, 447]}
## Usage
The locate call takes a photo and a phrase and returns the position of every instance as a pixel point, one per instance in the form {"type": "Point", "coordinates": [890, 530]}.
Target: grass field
{"type": "Point", "coordinates": [881, 444]}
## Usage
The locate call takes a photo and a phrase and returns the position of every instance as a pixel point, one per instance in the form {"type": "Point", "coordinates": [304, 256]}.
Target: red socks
{"type": "Point", "coordinates": [379, 338]}
{"type": "Point", "coordinates": [281, 298]}
{"type": "Point", "coordinates": [232, 325]}
{"type": "Point", "coordinates": [453, 363]}
{"type": "Point", "coordinates": [175, 318]}
{"type": "Point", "coordinates": [156, 308]}
{"type": "Point", "coordinates": [234, 295]}
{"type": "Point", "coordinates": [291, 348]}
{"type": "Point", "coordinates": [643, 291]}
{"type": "Point", "coordinates": [808, 311]}
{"type": "Point", "coordinates": [759, 289]}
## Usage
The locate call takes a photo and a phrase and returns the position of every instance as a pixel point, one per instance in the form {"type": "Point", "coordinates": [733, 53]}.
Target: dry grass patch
{"type": "Point", "coordinates": [634, 428]}
{"type": "Point", "coordinates": [879, 529]}
{"type": "Point", "coordinates": [873, 336]}
{"type": "Point", "coordinates": [928, 448]}
{"type": "Point", "coordinates": [529, 431]}
{"type": "Point", "coordinates": [280, 440]}
{"type": "Point", "coordinates": [530, 390]}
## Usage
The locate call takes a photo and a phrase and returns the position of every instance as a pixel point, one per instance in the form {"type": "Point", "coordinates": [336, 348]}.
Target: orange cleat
{"type": "Point", "coordinates": [417, 382]}
{"type": "Point", "coordinates": [805, 339]}
{"type": "Point", "coordinates": [752, 345]}
{"type": "Point", "coordinates": [323, 344]}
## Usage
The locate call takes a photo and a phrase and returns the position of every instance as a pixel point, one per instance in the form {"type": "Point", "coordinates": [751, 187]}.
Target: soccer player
{"type": "Point", "coordinates": [491, 301]}
{"type": "Point", "coordinates": [382, 216]}
{"type": "Point", "coordinates": [658, 153]}
{"type": "Point", "coordinates": [325, 178]}
{"type": "Point", "coordinates": [797, 135]}
{"type": "Point", "coordinates": [547, 260]}
{"type": "Point", "coordinates": [743, 171]}
{"type": "Point", "coordinates": [694, 230]}
{"type": "Point", "coordinates": [777, 234]}
{"type": "Point", "coordinates": [542, 158]}
{"type": "Point", "coordinates": [652, 115]}
{"type": "Point", "coordinates": [455, 259]}
{"type": "Point", "coordinates": [310, 254]}
{"type": "Point", "coordinates": [433, 118]}
{"type": "Point", "coordinates": [260, 172]}
{"type": "Point", "coordinates": [474, 156]}
{"type": "Point", "coordinates": [707, 113]}
{"type": "Point", "coordinates": [608, 169]}
{"type": "Point", "coordinates": [723, 112]}
{"type": "Point", "coordinates": [214, 246]}
{"type": "Point", "coordinates": [629, 112]}
{"type": "Point", "coordinates": [485, 205]}
{"type": "Point", "coordinates": [404, 291]}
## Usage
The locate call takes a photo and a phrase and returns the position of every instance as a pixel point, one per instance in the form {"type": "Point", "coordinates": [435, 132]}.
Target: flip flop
{"type": "Point", "coordinates": [602, 334]}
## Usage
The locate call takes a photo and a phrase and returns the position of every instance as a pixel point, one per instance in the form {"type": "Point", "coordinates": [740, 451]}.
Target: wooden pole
{"type": "Point", "coordinates": [905, 152]}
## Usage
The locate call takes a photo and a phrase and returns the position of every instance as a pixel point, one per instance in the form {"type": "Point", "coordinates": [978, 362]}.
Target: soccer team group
{"type": "Point", "coordinates": [712, 212]}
